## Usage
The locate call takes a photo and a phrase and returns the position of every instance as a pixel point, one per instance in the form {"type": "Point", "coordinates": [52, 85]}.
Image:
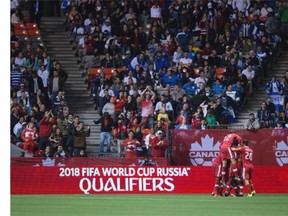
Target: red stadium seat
{"type": "Point", "coordinates": [33, 32]}
{"type": "Point", "coordinates": [21, 32]}
{"type": "Point", "coordinates": [32, 26]}
{"type": "Point", "coordinates": [196, 71]}
{"type": "Point", "coordinates": [219, 72]}
{"type": "Point", "coordinates": [20, 26]}
{"type": "Point", "coordinates": [146, 131]}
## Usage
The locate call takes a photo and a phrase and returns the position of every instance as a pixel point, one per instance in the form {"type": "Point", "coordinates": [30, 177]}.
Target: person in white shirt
{"type": "Point", "coordinates": [185, 61]}
{"type": "Point", "coordinates": [250, 75]}
{"type": "Point", "coordinates": [44, 75]}
{"type": "Point", "coordinates": [241, 5]}
{"type": "Point", "coordinates": [200, 79]}
{"type": "Point", "coordinates": [163, 102]}
{"type": "Point", "coordinates": [177, 55]}
{"type": "Point", "coordinates": [110, 92]}
{"type": "Point", "coordinates": [155, 12]}
{"type": "Point", "coordinates": [130, 76]}
{"type": "Point", "coordinates": [19, 127]}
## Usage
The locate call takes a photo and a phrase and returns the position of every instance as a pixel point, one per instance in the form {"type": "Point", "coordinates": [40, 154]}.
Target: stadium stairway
{"type": "Point", "coordinates": [78, 99]}
{"type": "Point", "coordinates": [278, 68]}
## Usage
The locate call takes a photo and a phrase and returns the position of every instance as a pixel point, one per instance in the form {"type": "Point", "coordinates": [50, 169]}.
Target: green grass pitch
{"type": "Point", "coordinates": [148, 205]}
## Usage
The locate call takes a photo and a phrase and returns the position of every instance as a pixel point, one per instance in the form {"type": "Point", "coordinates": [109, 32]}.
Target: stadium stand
{"type": "Point", "coordinates": [212, 34]}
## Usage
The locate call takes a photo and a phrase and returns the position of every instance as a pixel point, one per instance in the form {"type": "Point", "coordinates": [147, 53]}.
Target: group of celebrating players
{"type": "Point", "coordinates": [233, 167]}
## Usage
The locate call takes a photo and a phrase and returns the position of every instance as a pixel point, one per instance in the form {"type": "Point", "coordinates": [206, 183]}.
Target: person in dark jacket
{"type": "Point", "coordinates": [107, 124]}
{"type": "Point", "coordinates": [79, 142]}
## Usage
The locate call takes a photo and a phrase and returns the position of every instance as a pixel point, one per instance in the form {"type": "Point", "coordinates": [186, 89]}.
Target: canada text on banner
{"type": "Point", "coordinates": [201, 147]}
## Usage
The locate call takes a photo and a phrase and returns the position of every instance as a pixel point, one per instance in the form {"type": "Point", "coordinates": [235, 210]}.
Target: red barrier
{"type": "Point", "coordinates": [201, 147]}
{"type": "Point", "coordinates": [133, 179]}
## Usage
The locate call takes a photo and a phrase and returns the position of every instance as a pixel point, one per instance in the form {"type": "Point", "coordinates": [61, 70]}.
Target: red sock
{"type": "Point", "coordinates": [234, 170]}
{"type": "Point", "coordinates": [251, 185]}
{"type": "Point", "coordinates": [216, 186]}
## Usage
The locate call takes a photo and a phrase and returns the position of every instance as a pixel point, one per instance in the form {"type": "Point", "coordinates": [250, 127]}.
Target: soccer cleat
{"type": "Point", "coordinates": [239, 195]}
{"type": "Point", "coordinates": [238, 179]}
{"type": "Point", "coordinates": [253, 192]}
{"type": "Point", "coordinates": [223, 182]}
{"type": "Point", "coordinates": [226, 194]}
{"type": "Point", "coordinates": [217, 195]}
{"type": "Point", "coordinates": [249, 195]}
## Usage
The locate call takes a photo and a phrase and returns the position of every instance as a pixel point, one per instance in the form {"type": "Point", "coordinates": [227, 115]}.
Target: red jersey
{"type": "Point", "coordinates": [130, 146]}
{"type": "Point", "coordinates": [246, 156]}
{"type": "Point", "coordinates": [228, 140]}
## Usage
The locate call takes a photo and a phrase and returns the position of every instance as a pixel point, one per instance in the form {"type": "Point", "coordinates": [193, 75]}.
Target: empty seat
{"type": "Point", "coordinates": [219, 72]}
{"type": "Point", "coordinates": [20, 26]}
{"type": "Point", "coordinates": [21, 32]}
{"type": "Point", "coordinates": [32, 26]}
{"type": "Point", "coordinates": [33, 32]}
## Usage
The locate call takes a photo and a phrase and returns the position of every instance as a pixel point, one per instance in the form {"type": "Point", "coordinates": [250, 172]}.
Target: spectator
{"type": "Point", "coordinates": [185, 61]}
{"type": "Point", "coordinates": [16, 77]}
{"type": "Point", "coordinates": [80, 134]}
{"type": "Point", "coordinates": [250, 75]}
{"type": "Point", "coordinates": [45, 129]}
{"type": "Point", "coordinates": [202, 125]}
{"type": "Point", "coordinates": [273, 86]}
{"type": "Point", "coordinates": [211, 121]}
{"type": "Point", "coordinates": [263, 116]}
{"type": "Point", "coordinates": [56, 139]}
{"type": "Point", "coordinates": [177, 55]}
{"type": "Point", "coordinates": [107, 124]}
{"type": "Point", "coordinates": [44, 75]}
{"type": "Point", "coordinates": [130, 145]}
{"type": "Point", "coordinates": [109, 107]}
{"type": "Point", "coordinates": [146, 100]}
{"type": "Point", "coordinates": [241, 5]}
{"type": "Point", "coordinates": [18, 128]}
{"type": "Point", "coordinates": [47, 153]}
{"type": "Point", "coordinates": [60, 152]}
{"type": "Point", "coordinates": [252, 124]}
{"type": "Point", "coordinates": [183, 125]}
{"type": "Point", "coordinates": [29, 136]}
{"type": "Point", "coordinates": [121, 131]}
{"type": "Point", "coordinates": [159, 145]}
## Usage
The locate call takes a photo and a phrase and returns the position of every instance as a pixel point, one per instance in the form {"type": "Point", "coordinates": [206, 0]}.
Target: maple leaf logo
{"type": "Point", "coordinates": [204, 154]}
{"type": "Point", "coordinates": [281, 153]}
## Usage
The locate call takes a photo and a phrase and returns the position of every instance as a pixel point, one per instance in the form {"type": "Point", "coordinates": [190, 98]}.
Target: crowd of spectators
{"type": "Point", "coordinates": [176, 64]}
{"type": "Point", "coordinates": [41, 122]}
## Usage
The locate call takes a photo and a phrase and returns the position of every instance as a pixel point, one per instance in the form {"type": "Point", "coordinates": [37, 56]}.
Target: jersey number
{"type": "Point", "coordinates": [249, 156]}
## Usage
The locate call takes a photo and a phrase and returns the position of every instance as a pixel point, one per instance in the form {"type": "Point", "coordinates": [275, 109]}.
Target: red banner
{"type": "Point", "coordinates": [133, 179]}
{"type": "Point", "coordinates": [74, 161]}
{"type": "Point", "coordinates": [201, 147]}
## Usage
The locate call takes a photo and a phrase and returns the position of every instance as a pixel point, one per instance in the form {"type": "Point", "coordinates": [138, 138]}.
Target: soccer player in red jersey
{"type": "Point", "coordinates": [217, 163]}
{"type": "Point", "coordinates": [248, 167]}
{"type": "Point", "coordinates": [227, 154]}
